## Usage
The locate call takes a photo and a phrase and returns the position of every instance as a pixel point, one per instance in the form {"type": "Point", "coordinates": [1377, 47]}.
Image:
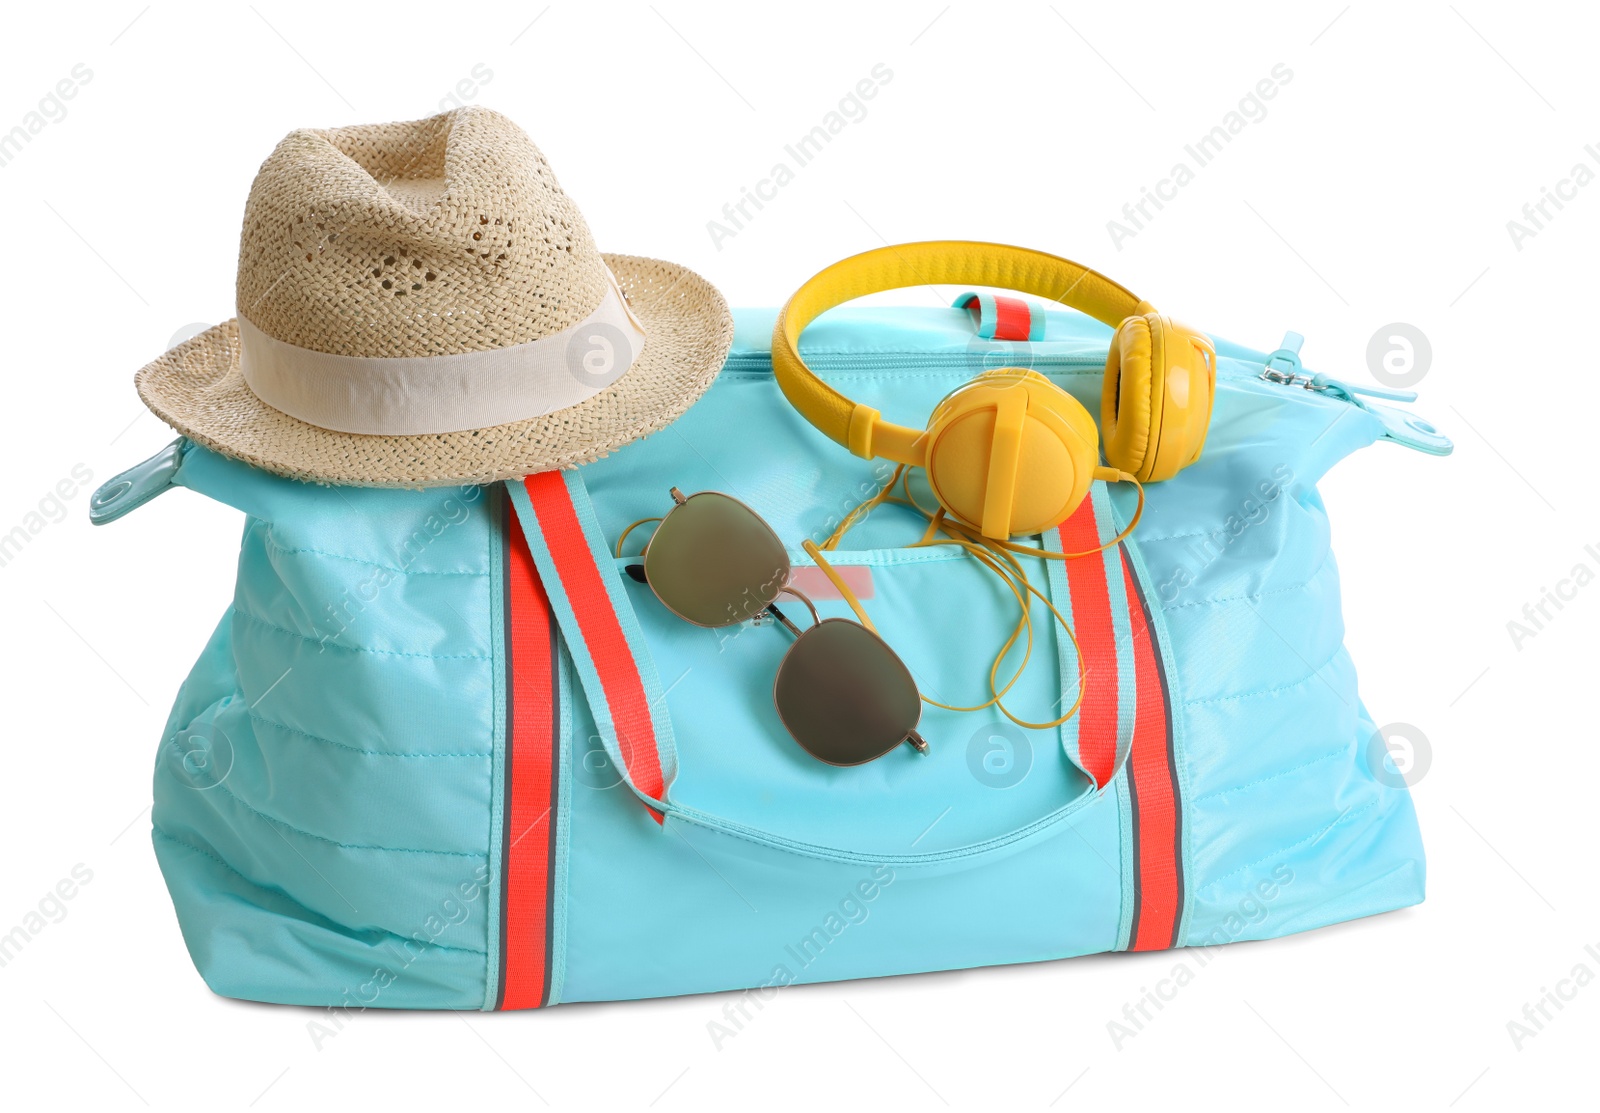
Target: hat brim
{"type": "Point", "coordinates": [198, 389]}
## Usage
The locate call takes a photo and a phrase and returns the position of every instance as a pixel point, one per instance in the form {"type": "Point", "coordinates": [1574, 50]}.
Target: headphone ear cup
{"type": "Point", "coordinates": [1130, 406]}
{"type": "Point", "coordinates": [1155, 404]}
{"type": "Point", "coordinates": [1010, 453]}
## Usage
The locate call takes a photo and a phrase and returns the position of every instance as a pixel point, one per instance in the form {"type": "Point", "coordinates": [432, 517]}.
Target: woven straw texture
{"type": "Point", "coordinates": [432, 237]}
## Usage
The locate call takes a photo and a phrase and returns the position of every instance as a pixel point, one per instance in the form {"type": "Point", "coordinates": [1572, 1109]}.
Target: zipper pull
{"type": "Point", "coordinates": [133, 488]}
{"type": "Point", "coordinates": [1283, 366]}
{"type": "Point", "coordinates": [1337, 387]}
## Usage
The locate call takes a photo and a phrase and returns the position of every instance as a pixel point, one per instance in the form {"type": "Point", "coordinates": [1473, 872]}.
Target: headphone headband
{"type": "Point", "coordinates": [936, 262]}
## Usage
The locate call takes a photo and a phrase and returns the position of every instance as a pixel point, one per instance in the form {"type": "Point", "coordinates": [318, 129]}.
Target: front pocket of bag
{"type": "Point", "coordinates": [946, 617]}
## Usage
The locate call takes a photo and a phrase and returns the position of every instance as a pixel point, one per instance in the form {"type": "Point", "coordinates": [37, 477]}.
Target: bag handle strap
{"type": "Point", "coordinates": [1090, 589]}
{"type": "Point", "coordinates": [600, 631]}
{"type": "Point", "coordinates": [620, 683]}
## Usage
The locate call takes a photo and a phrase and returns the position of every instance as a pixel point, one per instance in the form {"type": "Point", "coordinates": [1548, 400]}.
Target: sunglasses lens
{"type": "Point", "coordinates": [844, 695]}
{"type": "Point", "coordinates": [715, 562]}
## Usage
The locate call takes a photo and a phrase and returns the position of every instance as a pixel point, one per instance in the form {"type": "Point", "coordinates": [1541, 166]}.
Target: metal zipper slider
{"type": "Point", "coordinates": [1283, 365]}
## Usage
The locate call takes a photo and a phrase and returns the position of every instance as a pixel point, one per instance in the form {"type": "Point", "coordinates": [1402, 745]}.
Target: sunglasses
{"type": "Point", "coordinates": [844, 695]}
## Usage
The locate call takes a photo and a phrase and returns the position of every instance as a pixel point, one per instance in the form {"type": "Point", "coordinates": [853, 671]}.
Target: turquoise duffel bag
{"type": "Point", "coordinates": [441, 752]}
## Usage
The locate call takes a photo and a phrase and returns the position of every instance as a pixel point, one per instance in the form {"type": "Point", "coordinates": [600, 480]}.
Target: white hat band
{"type": "Point", "coordinates": [411, 395]}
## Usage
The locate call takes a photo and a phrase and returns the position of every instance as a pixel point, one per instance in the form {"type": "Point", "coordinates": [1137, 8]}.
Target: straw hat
{"type": "Point", "coordinates": [420, 304]}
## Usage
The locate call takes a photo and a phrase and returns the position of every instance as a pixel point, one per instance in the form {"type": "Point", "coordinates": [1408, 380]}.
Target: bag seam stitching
{"type": "Point", "coordinates": [1326, 560]}
{"type": "Point", "coordinates": [268, 543]}
{"type": "Point", "coordinates": [1302, 682]}
{"type": "Point", "coordinates": [260, 718]}
{"type": "Point", "coordinates": [1271, 776]}
{"type": "Point", "coordinates": [156, 830]}
{"type": "Point", "coordinates": [931, 859]}
{"type": "Point", "coordinates": [242, 613]}
{"type": "Point", "coordinates": [276, 822]}
{"type": "Point", "coordinates": [1346, 817]}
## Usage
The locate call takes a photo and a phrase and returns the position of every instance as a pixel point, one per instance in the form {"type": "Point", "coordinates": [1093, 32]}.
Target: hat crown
{"type": "Point", "coordinates": [423, 238]}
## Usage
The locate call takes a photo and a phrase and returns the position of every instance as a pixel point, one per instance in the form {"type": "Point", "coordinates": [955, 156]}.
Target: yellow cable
{"type": "Point", "coordinates": [1026, 622]}
{"type": "Point", "coordinates": [998, 558]}
{"type": "Point", "coordinates": [863, 509]}
{"type": "Point", "coordinates": [1049, 554]}
{"type": "Point", "coordinates": [828, 570]}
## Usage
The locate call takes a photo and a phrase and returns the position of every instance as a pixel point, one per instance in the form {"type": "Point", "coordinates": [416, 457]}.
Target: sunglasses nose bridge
{"type": "Point", "coordinates": [790, 589]}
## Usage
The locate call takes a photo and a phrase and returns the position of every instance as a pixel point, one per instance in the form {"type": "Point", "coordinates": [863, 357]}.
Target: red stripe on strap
{"type": "Point", "coordinates": [530, 773]}
{"type": "Point", "coordinates": [1097, 641]}
{"type": "Point", "coordinates": [602, 633]}
{"type": "Point", "coordinates": [1013, 320]}
{"type": "Point", "coordinates": [1153, 781]}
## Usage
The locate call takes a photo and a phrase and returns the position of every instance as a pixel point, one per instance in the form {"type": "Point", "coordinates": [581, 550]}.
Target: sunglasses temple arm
{"type": "Point", "coordinates": [772, 609]}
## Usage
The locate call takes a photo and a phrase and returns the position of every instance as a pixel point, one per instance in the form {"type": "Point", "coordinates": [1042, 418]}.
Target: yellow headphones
{"type": "Point", "coordinates": [1011, 453]}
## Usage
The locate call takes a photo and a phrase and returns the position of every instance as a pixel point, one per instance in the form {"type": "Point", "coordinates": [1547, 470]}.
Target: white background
{"type": "Point", "coordinates": [1376, 189]}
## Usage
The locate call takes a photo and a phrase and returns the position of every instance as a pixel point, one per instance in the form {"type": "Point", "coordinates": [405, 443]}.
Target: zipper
{"type": "Point", "coordinates": [920, 361]}
{"type": "Point", "coordinates": [1283, 368]}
